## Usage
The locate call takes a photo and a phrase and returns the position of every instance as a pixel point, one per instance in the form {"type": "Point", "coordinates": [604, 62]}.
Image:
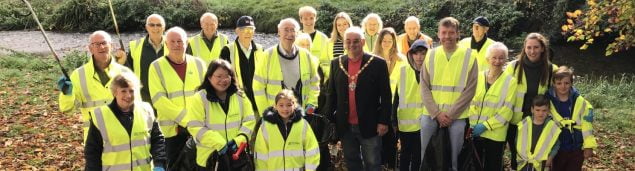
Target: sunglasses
{"type": "Point", "coordinates": [155, 25]}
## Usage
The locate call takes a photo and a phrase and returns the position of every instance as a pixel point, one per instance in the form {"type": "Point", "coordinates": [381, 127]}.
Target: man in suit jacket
{"type": "Point", "coordinates": [359, 102]}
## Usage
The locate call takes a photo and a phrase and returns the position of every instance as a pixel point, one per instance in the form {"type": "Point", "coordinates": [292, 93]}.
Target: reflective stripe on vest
{"type": "Point", "coordinates": [544, 144]}
{"type": "Point", "coordinates": [205, 53]}
{"type": "Point", "coordinates": [409, 106]}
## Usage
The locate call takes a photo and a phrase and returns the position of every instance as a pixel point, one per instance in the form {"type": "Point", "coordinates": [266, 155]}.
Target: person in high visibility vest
{"type": "Point", "coordinates": [386, 48]}
{"type": "Point", "coordinates": [412, 33]}
{"type": "Point", "coordinates": [371, 24]}
{"type": "Point", "coordinates": [335, 48]}
{"type": "Point", "coordinates": [299, 73]}
{"type": "Point", "coordinates": [319, 47]}
{"type": "Point", "coordinates": [88, 86]}
{"type": "Point", "coordinates": [409, 106]}
{"type": "Point", "coordinates": [448, 83]}
{"type": "Point", "coordinates": [491, 108]}
{"type": "Point", "coordinates": [285, 141]}
{"type": "Point", "coordinates": [220, 116]}
{"type": "Point", "coordinates": [144, 51]}
{"type": "Point", "coordinates": [574, 115]}
{"type": "Point", "coordinates": [303, 41]}
{"type": "Point", "coordinates": [533, 71]}
{"type": "Point", "coordinates": [207, 45]}
{"type": "Point", "coordinates": [173, 80]}
{"type": "Point", "coordinates": [479, 41]}
{"type": "Point", "coordinates": [537, 141]}
{"type": "Point", "coordinates": [244, 54]}
{"type": "Point", "coordinates": [124, 135]}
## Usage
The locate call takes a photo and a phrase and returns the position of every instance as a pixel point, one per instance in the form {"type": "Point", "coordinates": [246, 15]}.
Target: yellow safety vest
{"type": "Point", "coordinates": [395, 74]}
{"type": "Point", "coordinates": [325, 60]}
{"type": "Point", "coordinates": [88, 92]}
{"type": "Point", "coordinates": [212, 128]}
{"type": "Point", "coordinates": [546, 141]}
{"type": "Point", "coordinates": [410, 102]}
{"type": "Point", "coordinates": [234, 59]}
{"type": "Point", "coordinates": [582, 109]}
{"type": "Point", "coordinates": [370, 44]}
{"type": "Point", "coordinates": [300, 151]}
{"type": "Point", "coordinates": [319, 45]}
{"type": "Point", "coordinates": [480, 58]}
{"type": "Point", "coordinates": [448, 78]}
{"type": "Point", "coordinates": [200, 49]}
{"type": "Point", "coordinates": [521, 90]}
{"type": "Point", "coordinates": [136, 48]}
{"type": "Point", "coordinates": [493, 107]}
{"type": "Point", "coordinates": [123, 151]}
{"type": "Point", "coordinates": [268, 79]}
{"type": "Point", "coordinates": [170, 95]}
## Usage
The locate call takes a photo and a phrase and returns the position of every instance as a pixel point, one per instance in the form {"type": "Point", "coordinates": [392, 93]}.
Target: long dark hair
{"type": "Point", "coordinates": [213, 66]}
{"type": "Point", "coordinates": [544, 57]}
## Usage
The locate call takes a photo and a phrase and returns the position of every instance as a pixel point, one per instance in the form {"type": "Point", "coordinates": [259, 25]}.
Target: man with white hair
{"type": "Point", "coordinates": [299, 73]}
{"type": "Point", "coordinates": [145, 50]}
{"type": "Point", "coordinates": [172, 80]}
{"type": "Point", "coordinates": [207, 45]}
{"type": "Point", "coordinates": [359, 102]}
{"type": "Point", "coordinates": [371, 24]}
{"type": "Point", "coordinates": [413, 33]}
{"type": "Point", "coordinates": [88, 86]}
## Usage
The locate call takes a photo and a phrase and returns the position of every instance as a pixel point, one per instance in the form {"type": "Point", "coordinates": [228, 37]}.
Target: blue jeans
{"type": "Point", "coordinates": [352, 142]}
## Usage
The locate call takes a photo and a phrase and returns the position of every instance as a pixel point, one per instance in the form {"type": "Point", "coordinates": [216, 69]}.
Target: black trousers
{"type": "Point", "coordinates": [410, 157]}
{"type": "Point", "coordinates": [490, 153]}
{"type": "Point", "coordinates": [511, 142]}
{"type": "Point", "coordinates": [325, 159]}
{"type": "Point", "coordinates": [389, 148]}
{"type": "Point", "coordinates": [174, 146]}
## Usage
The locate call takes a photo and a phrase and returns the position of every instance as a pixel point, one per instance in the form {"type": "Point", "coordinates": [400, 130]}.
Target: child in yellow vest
{"type": "Point", "coordinates": [537, 140]}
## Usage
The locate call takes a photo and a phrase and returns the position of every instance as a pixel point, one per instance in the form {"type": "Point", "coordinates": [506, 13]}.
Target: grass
{"type": "Point", "coordinates": [35, 135]}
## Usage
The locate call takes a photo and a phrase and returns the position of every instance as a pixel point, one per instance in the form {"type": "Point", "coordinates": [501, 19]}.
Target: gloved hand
{"type": "Point", "coordinates": [478, 130]}
{"type": "Point", "coordinates": [64, 84]}
{"type": "Point", "coordinates": [158, 169]}
{"type": "Point", "coordinates": [230, 145]}
{"type": "Point", "coordinates": [309, 109]}
{"type": "Point", "coordinates": [589, 117]}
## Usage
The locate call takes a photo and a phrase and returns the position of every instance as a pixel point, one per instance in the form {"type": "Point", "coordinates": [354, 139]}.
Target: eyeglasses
{"type": "Point", "coordinates": [247, 30]}
{"type": "Point", "coordinates": [155, 24]}
{"type": "Point", "coordinates": [98, 44]}
{"type": "Point", "coordinates": [222, 77]}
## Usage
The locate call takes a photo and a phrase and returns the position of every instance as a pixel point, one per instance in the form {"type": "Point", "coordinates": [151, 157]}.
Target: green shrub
{"type": "Point", "coordinates": [74, 59]}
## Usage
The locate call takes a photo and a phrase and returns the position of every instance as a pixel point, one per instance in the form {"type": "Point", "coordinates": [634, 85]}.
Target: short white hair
{"type": "Point", "coordinates": [292, 21]}
{"type": "Point", "coordinates": [102, 33]}
{"type": "Point", "coordinates": [307, 9]}
{"type": "Point", "coordinates": [161, 19]}
{"type": "Point", "coordinates": [372, 16]}
{"type": "Point", "coordinates": [208, 14]}
{"type": "Point", "coordinates": [496, 46]}
{"type": "Point", "coordinates": [302, 37]}
{"type": "Point", "coordinates": [178, 30]}
{"type": "Point", "coordinates": [355, 30]}
{"type": "Point", "coordinates": [412, 19]}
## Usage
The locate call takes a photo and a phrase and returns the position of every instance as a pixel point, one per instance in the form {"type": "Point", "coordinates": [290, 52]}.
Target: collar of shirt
{"type": "Point", "coordinates": [285, 53]}
{"type": "Point", "coordinates": [246, 51]}
{"type": "Point", "coordinates": [155, 46]}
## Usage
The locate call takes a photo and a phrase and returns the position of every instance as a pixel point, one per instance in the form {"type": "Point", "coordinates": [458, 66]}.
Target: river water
{"type": "Point", "coordinates": [33, 41]}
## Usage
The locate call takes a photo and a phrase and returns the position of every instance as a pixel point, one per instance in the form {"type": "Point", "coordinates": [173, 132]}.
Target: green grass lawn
{"type": "Point", "coordinates": [35, 135]}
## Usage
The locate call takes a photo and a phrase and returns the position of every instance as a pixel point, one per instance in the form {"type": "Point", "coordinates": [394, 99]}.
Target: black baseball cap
{"type": "Point", "coordinates": [245, 21]}
{"type": "Point", "coordinates": [480, 20]}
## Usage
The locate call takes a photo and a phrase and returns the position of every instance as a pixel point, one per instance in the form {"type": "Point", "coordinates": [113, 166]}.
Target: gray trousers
{"type": "Point", "coordinates": [457, 129]}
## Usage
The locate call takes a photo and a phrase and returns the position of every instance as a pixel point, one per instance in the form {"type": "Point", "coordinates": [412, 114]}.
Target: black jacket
{"type": "Point", "coordinates": [247, 68]}
{"type": "Point", "coordinates": [94, 142]}
{"type": "Point", "coordinates": [272, 116]}
{"type": "Point", "coordinates": [372, 94]}
{"type": "Point", "coordinates": [148, 55]}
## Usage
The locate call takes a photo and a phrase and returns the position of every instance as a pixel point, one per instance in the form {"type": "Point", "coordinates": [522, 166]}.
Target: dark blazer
{"type": "Point", "coordinates": [372, 96]}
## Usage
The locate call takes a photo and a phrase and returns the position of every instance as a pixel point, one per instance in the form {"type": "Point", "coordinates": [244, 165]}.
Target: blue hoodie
{"type": "Point", "coordinates": [569, 141]}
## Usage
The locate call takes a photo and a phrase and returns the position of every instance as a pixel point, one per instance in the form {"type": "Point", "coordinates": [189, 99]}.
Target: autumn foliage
{"type": "Point", "coordinates": [603, 18]}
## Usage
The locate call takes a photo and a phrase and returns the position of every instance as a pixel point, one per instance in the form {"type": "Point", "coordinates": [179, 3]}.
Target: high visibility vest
{"type": "Point", "coordinates": [234, 59]}
{"type": "Point", "coordinates": [394, 76]}
{"type": "Point", "coordinates": [212, 128]}
{"type": "Point", "coordinates": [300, 151]}
{"type": "Point", "coordinates": [546, 141]}
{"type": "Point", "coordinates": [581, 109]}
{"type": "Point", "coordinates": [521, 90]}
{"type": "Point", "coordinates": [123, 151]}
{"type": "Point", "coordinates": [136, 48]}
{"type": "Point", "coordinates": [402, 42]}
{"type": "Point", "coordinates": [370, 42]}
{"type": "Point", "coordinates": [318, 47]}
{"type": "Point", "coordinates": [325, 60]}
{"type": "Point", "coordinates": [493, 107]}
{"type": "Point", "coordinates": [170, 95]}
{"type": "Point", "coordinates": [448, 78]}
{"type": "Point", "coordinates": [268, 79]}
{"type": "Point", "coordinates": [481, 58]}
{"type": "Point", "coordinates": [88, 92]}
{"type": "Point", "coordinates": [200, 49]}
{"type": "Point", "coordinates": [410, 102]}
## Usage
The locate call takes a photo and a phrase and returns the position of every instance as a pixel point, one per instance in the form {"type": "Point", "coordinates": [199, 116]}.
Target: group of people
{"type": "Point", "coordinates": [142, 108]}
